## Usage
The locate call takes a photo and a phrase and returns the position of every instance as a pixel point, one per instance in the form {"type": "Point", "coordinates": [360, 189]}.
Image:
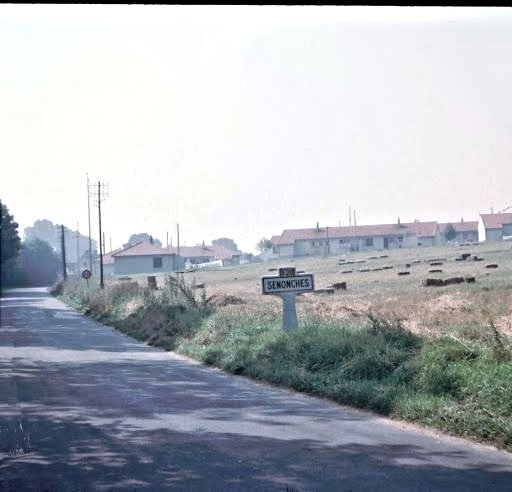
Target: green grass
{"type": "Point", "coordinates": [460, 388]}
{"type": "Point", "coordinates": [460, 383]}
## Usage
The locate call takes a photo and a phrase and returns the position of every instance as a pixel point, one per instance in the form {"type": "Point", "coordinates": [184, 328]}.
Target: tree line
{"type": "Point", "coordinates": [32, 262]}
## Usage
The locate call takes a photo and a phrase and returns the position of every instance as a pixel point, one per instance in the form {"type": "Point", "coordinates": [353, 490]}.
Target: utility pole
{"type": "Point", "coordinates": [102, 285]}
{"type": "Point", "coordinates": [77, 249]}
{"type": "Point", "coordinates": [89, 218]}
{"type": "Point", "coordinates": [355, 230]}
{"type": "Point", "coordinates": [178, 237]}
{"type": "Point", "coordinates": [63, 250]}
{"type": "Point", "coordinates": [101, 194]}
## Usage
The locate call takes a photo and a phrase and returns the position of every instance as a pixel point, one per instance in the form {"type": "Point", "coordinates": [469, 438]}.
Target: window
{"type": "Point", "coordinates": [157, 262]}
{"type": "Point", "coordinates": [369, 241]}
{"type": "Point", "coordinates": [343, 241]}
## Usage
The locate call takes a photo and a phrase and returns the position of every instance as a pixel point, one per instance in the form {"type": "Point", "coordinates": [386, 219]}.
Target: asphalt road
{"type": "Point", "coordinates": [83, 407]}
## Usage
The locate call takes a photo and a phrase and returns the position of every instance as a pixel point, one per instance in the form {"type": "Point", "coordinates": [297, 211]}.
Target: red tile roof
{"type": "Point", "coordinates": [471, 226]}
{"type": "Point", "coordinates": [147, 249]}
{"type": "Point", "coordinates": [193, 251]}
{"type": "Point", "coordinates": [423, 229]}
{"type": "Point", "coordinates": [108, 258]}
{"type": "Point", "coordinates": [289, 236]}
{"type": "Point", "coordinates": [142, 249]}
{"type": "Point", "coordinates": [495, 221]}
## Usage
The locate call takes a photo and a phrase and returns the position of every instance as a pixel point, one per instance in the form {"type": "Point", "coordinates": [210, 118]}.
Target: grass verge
{"type": "Point", "coordinates": [458, 385]}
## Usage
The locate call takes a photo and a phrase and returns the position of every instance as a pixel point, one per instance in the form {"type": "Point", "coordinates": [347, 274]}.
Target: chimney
{"type": "Point", "coordinates": [398, 221]}
{"type": "Point", "coordinates": [204, 247]}
{"type": "Point", "coordinates": [462, 220]}
{"type": "Point", "coordinates": [151, 239]}
{"type": "Point", "coordinates": [317, 226]}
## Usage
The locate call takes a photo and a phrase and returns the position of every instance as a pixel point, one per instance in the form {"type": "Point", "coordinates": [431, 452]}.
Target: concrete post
{"type": "Point", "coordinates": [289, 311]}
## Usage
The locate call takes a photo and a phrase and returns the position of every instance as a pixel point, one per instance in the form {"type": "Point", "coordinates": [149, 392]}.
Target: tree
{"type": "Point", "coordinates": [143, 236]}
{"type": "Point", "coordinates": [449, 232]}
{"type": "Point", "coordinates": [10, 240]}
{"type": "Point", "coordinates": [226, 243]}
{"type": "Point", "coordinates": [47, 231]}
{"type": "Point", "coordinates": [264, 244]}
{"type": "Point", "coordinates": [38, 263]}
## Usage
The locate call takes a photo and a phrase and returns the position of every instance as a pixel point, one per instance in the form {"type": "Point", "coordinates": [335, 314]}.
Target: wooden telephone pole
{"type": "Point", "coordinates": [63, 250]}
{"type": "Point", "coordinates": [101, 194]}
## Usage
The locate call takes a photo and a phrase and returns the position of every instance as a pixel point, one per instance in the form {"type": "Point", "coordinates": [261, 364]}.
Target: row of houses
{"type": "Point", "coordinates": [145, 257]}
{"type": "Point", "coordinates": [339, 240]}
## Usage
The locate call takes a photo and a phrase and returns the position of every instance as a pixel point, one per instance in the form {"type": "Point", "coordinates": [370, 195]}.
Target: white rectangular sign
{"type": "Point", "coordinates": [278, 285]}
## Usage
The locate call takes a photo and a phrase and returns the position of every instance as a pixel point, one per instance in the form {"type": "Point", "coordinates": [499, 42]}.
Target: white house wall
{"type": "Point", "coordinates": [506, 230]}
{"type": "Point", "coordinates": [466, 236]}
{"type": "Point", "coordinates": [285, 250]}
{"type": "Point", "coordinates": [427, 241]}
{"type": "Point", "coordinates": [482, 236]}
{"type": "Point", "coordinates": [324, 246]}
{"type": "Point", "coordinates": [493, 234]}
{"type": "Point", "coordinates": [132, 265]}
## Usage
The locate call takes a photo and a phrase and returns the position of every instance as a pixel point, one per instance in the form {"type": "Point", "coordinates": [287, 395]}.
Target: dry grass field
{"type": "Point", "coordinates": [429, 310]}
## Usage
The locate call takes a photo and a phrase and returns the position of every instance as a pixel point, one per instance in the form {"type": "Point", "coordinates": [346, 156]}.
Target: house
{"type": "Point", "coordinates": [108, 262]}
{"type": "Point", "coordinates": [494, 227]}
{"type": "Point", "coordinates": [336, 240]}
{"type": "Point", "coordinates": [428, 233]}
{"type": "Point", "coordinates": [273, 252]}
{"type": "Point", "coordinates": [196, 255]}
{"type": "Point", "coordinates": [465, 232]}
{"type": "Point", "coordinates": [145, 258]}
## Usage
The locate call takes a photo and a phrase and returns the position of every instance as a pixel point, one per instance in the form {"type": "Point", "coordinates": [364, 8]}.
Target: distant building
{"type": "Point", "coordinates": [273, 252]}
{"type": "Point", "coordinates": [494, 227]}
{"type": "Point", "coordinates": [465, 232]}
{"type": "Point", "coordinates": [428, 233]}
{"type": "Point", "coordinates": [336, 240]}
{"type": "Point", "coordinates": [108, 262]}
{"type": "Point", "coordinates": [196, 255]}
{"type": "Point", "coordinates": [144, 258]}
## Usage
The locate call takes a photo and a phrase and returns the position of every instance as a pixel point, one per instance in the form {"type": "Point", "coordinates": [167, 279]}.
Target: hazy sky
{"type": "Point", "coordinates": [242, 121]}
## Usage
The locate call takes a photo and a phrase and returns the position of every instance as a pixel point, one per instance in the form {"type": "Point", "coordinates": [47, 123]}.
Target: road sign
{"type": "Point", "coordinates": [86, 274]}
{"type": "Point", "coordinates": [288, 285]}
{"type": "Point", "coordinates": [281, 285]}
{"type": "Point", "coordinates": [287, 272]}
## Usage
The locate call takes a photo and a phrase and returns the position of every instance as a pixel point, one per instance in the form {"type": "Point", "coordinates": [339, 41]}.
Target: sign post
{"type": "Point", "coordinates": [287, 286]}
{"type": "Point", "coordinates": [87, 275]}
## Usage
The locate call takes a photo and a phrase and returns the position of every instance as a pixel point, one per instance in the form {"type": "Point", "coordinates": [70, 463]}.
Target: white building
{"type": "Point", "coordinates": [145, 258]}
{"type": "Point", "coordinates": [494, 227]}
{"type": "Point", "coordinates": [338, 240]}
{"type": "Point", "coordinates": [465, 232]}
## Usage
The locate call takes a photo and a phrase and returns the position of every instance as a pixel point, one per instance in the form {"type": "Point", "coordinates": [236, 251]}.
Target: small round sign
{"type": "Point", "coordinates": [86, 274]}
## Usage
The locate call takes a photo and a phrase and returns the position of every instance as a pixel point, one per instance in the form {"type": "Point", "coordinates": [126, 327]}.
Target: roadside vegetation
{"type": "Point", "coordinates": [409, 353]}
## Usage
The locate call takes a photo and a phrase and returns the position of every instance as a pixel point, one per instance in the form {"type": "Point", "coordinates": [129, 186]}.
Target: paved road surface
{"type": "Point", "coordinates": [83, 407]}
